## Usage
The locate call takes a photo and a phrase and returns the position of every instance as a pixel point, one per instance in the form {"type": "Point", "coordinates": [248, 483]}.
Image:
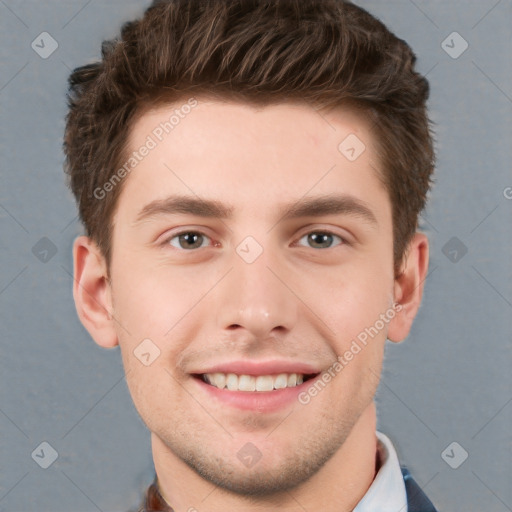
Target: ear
{"type": "Point", "coordinates": [92, 292]}
{"type": "Point", "coordinates": [408, 288]}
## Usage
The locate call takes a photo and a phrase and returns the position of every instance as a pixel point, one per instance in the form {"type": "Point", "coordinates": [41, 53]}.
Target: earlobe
{"type": "Point", "coordinates": [92, 292]}
{"type": "Point", "coordinates": [408, 289]}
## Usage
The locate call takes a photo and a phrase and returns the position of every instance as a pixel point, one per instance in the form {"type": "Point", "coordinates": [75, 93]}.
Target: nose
{"type": "Point", "coordinates": [257, 297]}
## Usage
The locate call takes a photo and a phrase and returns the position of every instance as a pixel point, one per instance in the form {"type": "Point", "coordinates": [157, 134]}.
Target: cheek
{"type": "Point", "coordinates": [353, 301]}
{"type": "Point", "coordinates": [151, 389]}
{"type": "Point", "coordinates": [156, 313]}
{"type": "Point", "coordinates": [355, 309]}
{"type": "Point", "coordinates": [145, 301]}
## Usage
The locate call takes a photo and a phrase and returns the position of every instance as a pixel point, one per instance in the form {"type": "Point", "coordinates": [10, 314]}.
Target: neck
{"type": "Point", "coordinates": [337, 487]}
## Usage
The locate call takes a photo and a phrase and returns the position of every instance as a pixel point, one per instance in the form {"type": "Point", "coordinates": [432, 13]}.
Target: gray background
{"type": "Point", "coordinates": [449, 382]}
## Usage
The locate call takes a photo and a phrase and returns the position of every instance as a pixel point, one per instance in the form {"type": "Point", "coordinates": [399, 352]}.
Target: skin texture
{"type": "Point", "coordinates": [297, 301]}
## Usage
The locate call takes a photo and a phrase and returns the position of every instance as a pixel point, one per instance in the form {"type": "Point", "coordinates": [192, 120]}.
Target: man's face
{"type": "Point", "coordinates": [256, 292]}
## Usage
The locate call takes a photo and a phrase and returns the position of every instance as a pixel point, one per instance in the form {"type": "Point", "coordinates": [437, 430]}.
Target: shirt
{"type": "Point", "coordinates": [393, 488]}
{"type": "Point", "coordinates": [387, 491]}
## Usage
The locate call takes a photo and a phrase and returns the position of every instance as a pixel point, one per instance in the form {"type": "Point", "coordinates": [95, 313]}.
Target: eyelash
{"type": "Point", "coordinates": [167, 240]}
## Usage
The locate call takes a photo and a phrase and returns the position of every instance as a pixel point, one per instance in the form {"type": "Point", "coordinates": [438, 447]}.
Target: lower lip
{"type": "Point", "coordinates": [259, 401]}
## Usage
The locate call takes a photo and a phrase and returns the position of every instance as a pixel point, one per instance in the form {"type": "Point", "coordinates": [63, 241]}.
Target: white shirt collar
{"type": "Point", "coordinates": [387, 491]}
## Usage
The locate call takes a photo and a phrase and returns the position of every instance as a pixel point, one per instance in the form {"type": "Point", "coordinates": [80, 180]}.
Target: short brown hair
{"type": "Point", "coordinates": [328, 53]}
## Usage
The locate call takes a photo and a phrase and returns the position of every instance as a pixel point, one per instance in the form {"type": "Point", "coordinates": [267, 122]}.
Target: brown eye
{"type": "Point", "coordinates": [188, 240]}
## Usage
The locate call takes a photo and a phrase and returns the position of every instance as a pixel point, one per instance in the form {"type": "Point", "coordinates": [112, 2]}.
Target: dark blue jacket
{"type": "Point", "coordinates": [417, 500]}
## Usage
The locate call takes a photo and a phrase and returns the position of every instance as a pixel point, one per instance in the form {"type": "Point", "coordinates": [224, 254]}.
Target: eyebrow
{"type": "Point", "coordinates": [308, 207]}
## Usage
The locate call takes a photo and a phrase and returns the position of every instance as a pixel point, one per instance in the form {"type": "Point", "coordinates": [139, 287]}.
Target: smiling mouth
{"type": "Point", "coordinates": [262, 383]}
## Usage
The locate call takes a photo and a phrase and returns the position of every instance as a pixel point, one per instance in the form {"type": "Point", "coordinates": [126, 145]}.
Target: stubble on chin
{"type": "Point", "coordinates": [274, 473]}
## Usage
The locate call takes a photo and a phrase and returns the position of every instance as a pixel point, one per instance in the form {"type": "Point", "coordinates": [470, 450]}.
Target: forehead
{"type": "Point", "coordinates": [250, 156]}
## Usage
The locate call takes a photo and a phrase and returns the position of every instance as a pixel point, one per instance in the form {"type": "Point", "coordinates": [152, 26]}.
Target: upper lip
{"type": "Point", "coordinates": [255, 368]}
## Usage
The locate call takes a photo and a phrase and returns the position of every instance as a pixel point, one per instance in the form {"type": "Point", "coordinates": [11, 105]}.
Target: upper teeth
{"type": "Point", "coordinates": [235, 382]}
